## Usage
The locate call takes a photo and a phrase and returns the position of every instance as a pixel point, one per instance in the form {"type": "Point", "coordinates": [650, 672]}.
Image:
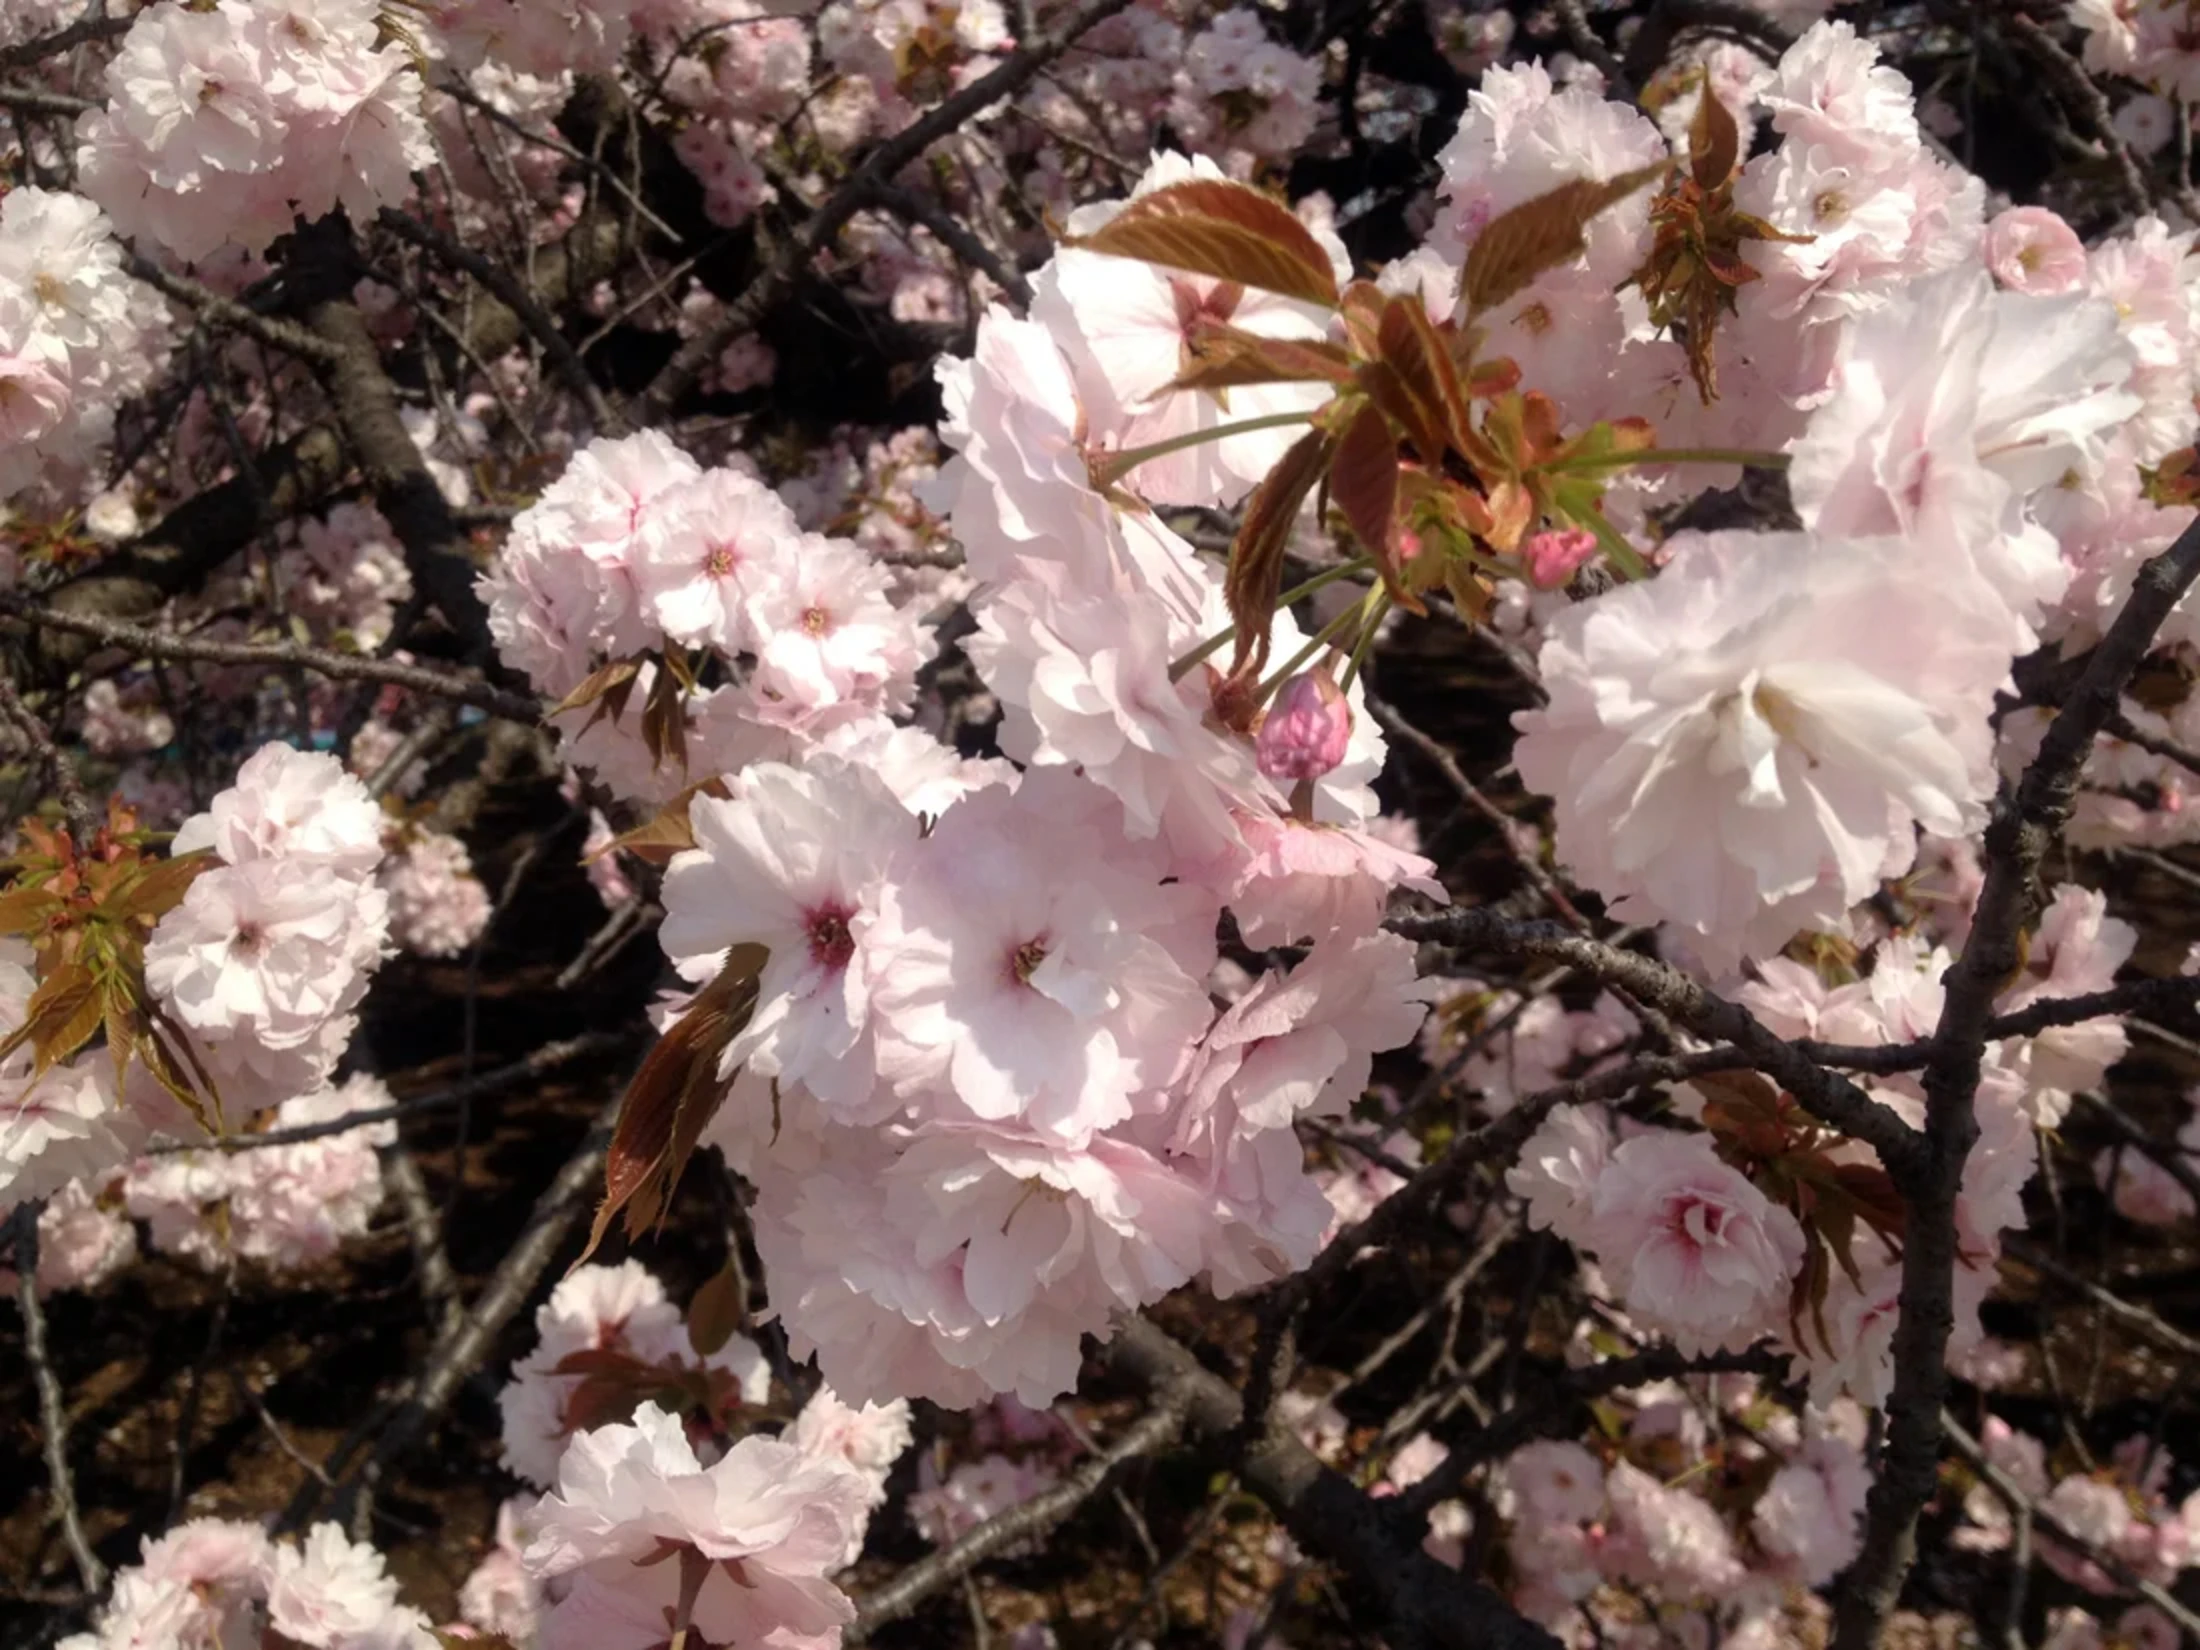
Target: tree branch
{"type": "Point", "coordinates": [83, 819]}
{"type": "Point", "coordinates": [343, 667]}
{"type": "Point", "coordinates": [199, 535]}
{"type": "Point", "coordinates": [1418, 1603]}
{"type": "Point", "coordinates": [880, 166]}
{"type": "Point", "coordinates": [1827, 1095]}
{"type": "Point", "coordinates": [1019, 1524]}
{"type": "Point", "coordinates": [2024, 828]}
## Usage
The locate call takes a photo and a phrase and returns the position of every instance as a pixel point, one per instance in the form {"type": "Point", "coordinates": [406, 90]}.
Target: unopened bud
{"type": "Point", "coordinates": [1552, 557]}
{"type": "Point", "coordinates": [1306, 729]}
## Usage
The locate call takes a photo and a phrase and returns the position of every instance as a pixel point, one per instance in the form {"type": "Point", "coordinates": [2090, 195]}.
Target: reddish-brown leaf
{"type": "Point", "coordinates": [1363, 483]}
{"type": "Point", "coordinates": [672, 1097]}
{"type": "Point", "coordinates": [664, 721]}
{"type": "Point", "coordinates": [1422, 420]}
{"type": "Point", "coordinates": [601, 681]}
{"type": "Point", "coordinates": [716, 1310]}
{"type": "Point", "coordinates": [1714, 142]}
{"type": "Point", "coordinates": [1870, 1191]}
{"type": "Point", "coordinates": [1255, 576]}
{"type": "Point", "coordinates": [1539, 234]}
{"type": "Point", "coordinates": [1414, 350]}
{"type": "Point", "coordinates": [1213, 227]}
{"type": "Point", "coordinates": [1226, 357]}
{"type": "Point", "coordinates": [1362, 305]}
{"type": "Point", "coordinates": [666, 832]}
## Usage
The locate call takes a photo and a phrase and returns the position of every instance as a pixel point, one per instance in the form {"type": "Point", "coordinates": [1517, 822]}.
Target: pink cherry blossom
{"type": "Point", "coordinates": [2030, 249]}
{"type": "Point", "coordinates": [1693, 1246]}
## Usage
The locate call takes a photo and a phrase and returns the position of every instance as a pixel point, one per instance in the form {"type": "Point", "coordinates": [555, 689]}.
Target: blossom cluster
{"type": "Point", "coordinates": [645, 1449]}
{"type": "Point", "coordinates": [77, 338]}
{"type": "Point", "coordinates": [228, 124]}
{"type": "Point", "coordinates": [1065, 986]}
{"type": "Point", "coordinates": [282, 1207]}
{"type": "Point", "coordinates": [269, 953]}
{"type": "Point", "coordinates": [220, 1581]}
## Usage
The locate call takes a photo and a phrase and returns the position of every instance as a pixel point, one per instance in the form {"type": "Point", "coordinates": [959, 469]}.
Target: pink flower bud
{"type": "Point", "coordinates": [1553, 556]}
{"type": "Point", "coordinates": [1306, 730]}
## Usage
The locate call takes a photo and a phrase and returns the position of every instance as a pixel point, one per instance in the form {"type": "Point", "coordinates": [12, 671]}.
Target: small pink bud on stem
{"type": "Point", "coordinates": [1306, 730]}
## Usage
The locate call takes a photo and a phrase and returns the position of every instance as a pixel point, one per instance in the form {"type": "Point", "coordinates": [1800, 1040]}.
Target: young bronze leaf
{"type": "Point", "coordinates": [1363, 480]}
{"type": "Point", "coordinates": [1224, 357]}
{"type": "Point", "coordinates": [1416, 352]}
{"type": "Point", "coordinates": [1714, 142]}
{"type": "Point", "coordinates": [664, 721]}
{"type": "Point", "coordinates": [1518, 245]}
{"type": "Point", "coordinates": [1213, 227]}
{"type": "Point", "coordinates": [1422, 420]}
{"type": "Point", "coordinates": [601, 681]}
{"type": "Point", "coordinates": [60, 1018]}
{"type": "Point", "coordinates": [715, 1312]}
{"type": "Point", "coordinates": [161, 885]}
{"type": "Point", "coordinates": [672, 1098]}
{"type": "Point", "coordinates": [1255, 576]}
{"type": "Point", "coordinates": [27, 908]}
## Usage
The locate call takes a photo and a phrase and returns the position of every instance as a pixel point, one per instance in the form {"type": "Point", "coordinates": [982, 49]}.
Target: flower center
{"type": "Point", "coordinates": [1536, 318]}
{"type": "Point", "coordinates": [1024, 961]}
{"type": "Point", "coordinates": [250, 941]}
{"type": "Point", "coordinates": [831, 945]}
{"type": "Point", "coordinates": [721, 561]}
{"type": "Point", "coordinates": [817, 621]}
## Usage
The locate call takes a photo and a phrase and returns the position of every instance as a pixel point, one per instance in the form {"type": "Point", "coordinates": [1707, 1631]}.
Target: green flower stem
{"type": "Point", "coordinates": [1122, 464]}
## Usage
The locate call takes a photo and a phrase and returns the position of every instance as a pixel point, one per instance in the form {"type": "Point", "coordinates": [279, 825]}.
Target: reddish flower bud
{"type": "Point", "coordinates": [1552, 557]}
{"type": "Point", "coordinates": [1306, 730]}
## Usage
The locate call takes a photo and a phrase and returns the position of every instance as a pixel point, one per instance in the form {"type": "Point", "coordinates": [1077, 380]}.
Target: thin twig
{"type": "Point", "coordinates": [1155, 1430]}
{"type": "Point", "coordinates": [98, 26]}
{"type": "Point", "coordinates": [1827, 1095]}
{"type": "Point", "coordinates": [515, 296]}
{"type": "Point", "coordinates": [287, 336]}
{"type": "Point", "coordinates": [881, 165]}
{"type": "Point", "coordinates": [342, 667]}
{"type": "Point", "coordinates": [912, 207]}
{"type": "Point", "coordinates": [76, 807]}
{"type": "Point", "coordinates": [2068, 76]}
{"type": "Point", "coordinates": [37, 100]}
{"type": "Point", "coordinates": [2136, 1318]}
{"type": "Point", "coordinates": [467, 1346]}
{"type": "Point", "coordinates": [53, 1414]}
{"type": "Point", "coordinates": [1471, 794]}
{"type": "Point", "coordinates": [2012, 1496]}
{"type": "Point", "coordinates": [1417, 1603]}
{"type": "Point", "coordinates": [546, 1059]}
{"type": "Point", "coordinates": [2124, 728]}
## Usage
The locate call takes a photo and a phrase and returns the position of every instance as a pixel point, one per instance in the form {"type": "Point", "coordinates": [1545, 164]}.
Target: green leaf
{"type": "Point", "coordinates": [1213, 227]}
